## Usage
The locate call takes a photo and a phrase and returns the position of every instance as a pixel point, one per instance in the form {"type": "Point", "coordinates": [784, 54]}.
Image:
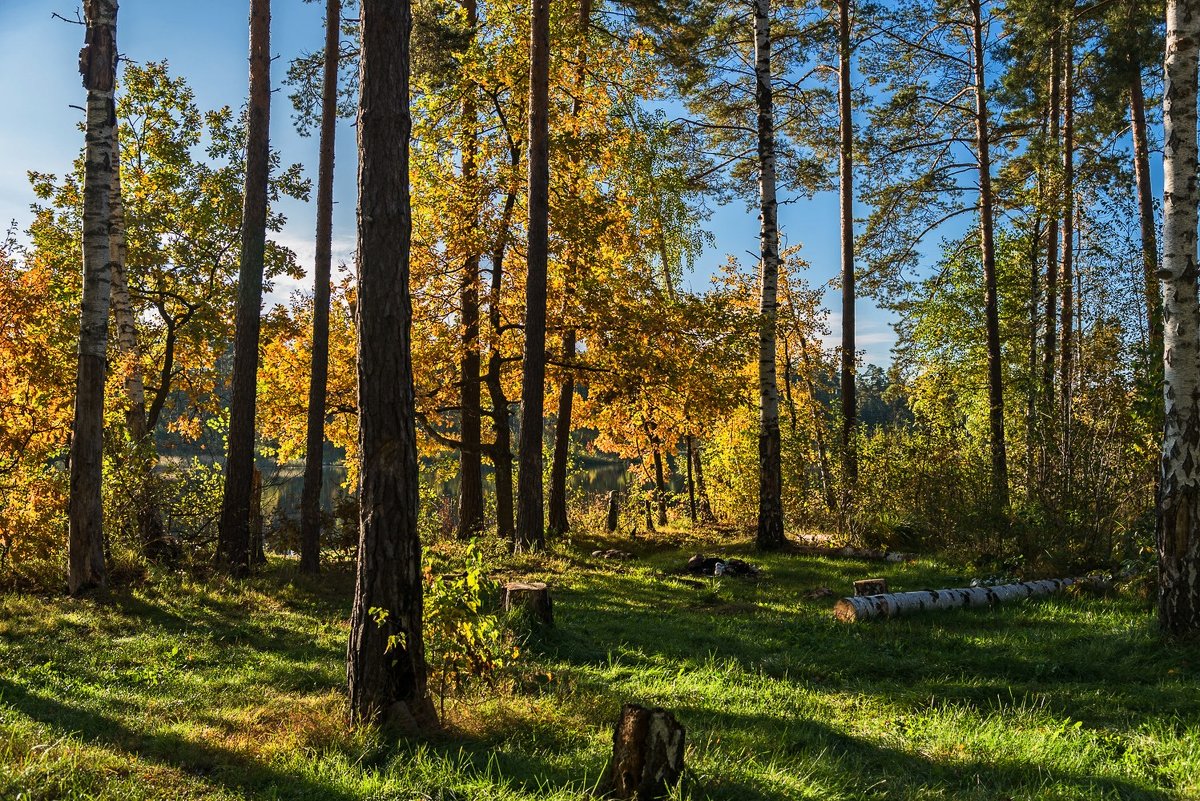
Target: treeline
{"type": "Point", "coordinates": [992, 161]}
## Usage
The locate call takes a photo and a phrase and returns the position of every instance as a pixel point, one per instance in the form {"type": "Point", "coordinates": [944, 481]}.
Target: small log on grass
{"type": "Point", "coordinates": [532, 597]}
{"type": "Point", "coordinates": [647, 758]}
{"type": "Point", "coordinates": [903, 603]}
{"type": "Point", "coordinates": [874, 586]}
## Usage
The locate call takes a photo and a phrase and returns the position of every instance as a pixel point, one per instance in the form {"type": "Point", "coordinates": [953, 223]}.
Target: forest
{"type": "Point", "coordinates": [533, 491]}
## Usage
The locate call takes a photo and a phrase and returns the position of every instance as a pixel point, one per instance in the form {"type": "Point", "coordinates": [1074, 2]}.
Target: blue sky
{"type": "Point", "coordinates": [206, 42]}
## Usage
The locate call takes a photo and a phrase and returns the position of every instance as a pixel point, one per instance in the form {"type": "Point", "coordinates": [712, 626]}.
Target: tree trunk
{"type": "Point", "coordinates": [647, 758]}
{"type": "Point", "coordinates": [98, 66]}
{"type": "Point", "coordinates": [470, 459]}
{"type": "Point", "coordinates": [988, 253]}
{"type": "Point", "coordinates": [846, 203]}
{"type": "Point", "coordinates": [233, 542]}
{"type": "Point", "coordinates": [895, 604]}
{"type": "Point", "coordinates": [314, 455]}
{"type": "Point", "coordinates": [385, 662]}
{"type": "Point", "coordinates": [770, 486]}
{"type": "Point", "coordinates": [1067, 270]}
{"type": "Point", "coordinates": [691, 481]}
{"type": "Point", "coordinates": [501, 451]}
{"type": "Point", "coordinates": [705, 506]}
{"type": "Point", "coordinates": [1050, 341]}
{"type": "Point", "coordinates": [1178, 526]}
{"type": "Point", "coordinates": [1141, 173]}
{"type": "Point", "coordinates": [660, 488]}
{"type": "Point", "coordinates": [559, 523]}
{"type": "Point", "coordinates": [531, 532]}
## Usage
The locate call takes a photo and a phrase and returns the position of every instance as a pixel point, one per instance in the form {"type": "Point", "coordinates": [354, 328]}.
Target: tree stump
{"type": "Point", "coordinates": [875, 586]}
{"type": "Point", "coordinates": [647, 758]}
{"type": "Point", "coordinates": [532, 597]}
{"type": "Point", "coordinates": [614, 512]}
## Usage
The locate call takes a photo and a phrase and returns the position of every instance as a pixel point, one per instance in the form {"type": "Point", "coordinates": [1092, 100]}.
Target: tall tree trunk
{"type": "Point", "coordinates": [660, 487]}
{"type": "Point", "coordinates": [1141, 172]}
{"type": "Point", "coordinates": [385, 662]}
{"type": "Point", "coordinates": [558, 521]}
{"type": "Point", "coordinates": [691, 481]}
{"type": "Point", "coordinates": [988, 253]}
{"type": "Point", "coordinates": [149, 518]}
{"type": "Point", "coordinates": [314, 454]}
{"type": "Point", "coordinates": [470, 459]}
{"type": "Point", "coordinates": [98, 66]}
{"type": "Point", "coordinates": [233, 541]}
{"type": "Point", "coordinates": [770, 485]}
{"type": "Point", "coordinates": [501, 451]}
{"type": "Point", "coordinates": [706, 512]}
{"type": "Point", "coordinates": [846, 202]}
{"type": "Point", "coordinates": [1050, 340]}
{"type": "Point", "coordinates": [531, 532]}
{"type": "Point", "coordinates": [1035, 276]}
{"type": "Point", "coordinates": [1179, 500]}
{"type": "Point", "coordinates": [1067, 332]}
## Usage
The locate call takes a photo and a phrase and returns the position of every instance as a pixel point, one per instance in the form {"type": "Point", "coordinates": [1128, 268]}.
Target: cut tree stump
{"type": "Point", "coordinates": [903, 603]}
{"type": "Point", "coordinates": [873, 586]}
{"type": "Point", "coordinates": [647, 758]}
{"type": "Point", "coordinates": [532, 597]}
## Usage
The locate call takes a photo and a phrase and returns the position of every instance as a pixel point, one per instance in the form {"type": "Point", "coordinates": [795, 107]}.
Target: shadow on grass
{"type": "Point", "coordinates": [207, 762]}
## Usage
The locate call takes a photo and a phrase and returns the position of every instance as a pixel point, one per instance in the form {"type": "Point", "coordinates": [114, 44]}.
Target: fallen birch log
{"type": "Point", "coordinates": [902, 603]}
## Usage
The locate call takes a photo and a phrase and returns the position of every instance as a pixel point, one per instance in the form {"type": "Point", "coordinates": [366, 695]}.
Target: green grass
{"type": "Point", "coordinates": [187, 689]}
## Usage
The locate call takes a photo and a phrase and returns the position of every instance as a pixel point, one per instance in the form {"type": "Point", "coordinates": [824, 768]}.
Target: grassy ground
{"type": "Point", "coordinates": [182, 689]}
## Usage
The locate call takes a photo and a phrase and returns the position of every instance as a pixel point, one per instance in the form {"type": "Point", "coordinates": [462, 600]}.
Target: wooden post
{"type": "Point", "coordinates": [533, 597]}
{"type": "Point", "coordinates": [647, 758]}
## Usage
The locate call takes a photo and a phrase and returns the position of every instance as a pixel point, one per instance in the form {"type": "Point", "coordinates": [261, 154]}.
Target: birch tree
{"type": "Point", "coordinates": [98, 66]}
{"type": "Point", "coordinates": [1179, 502]}
{"type": "Point", "coordinates": [770, 488]}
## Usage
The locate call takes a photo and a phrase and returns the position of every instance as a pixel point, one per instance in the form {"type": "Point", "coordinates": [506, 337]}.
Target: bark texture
{"type": "Point", "coordinates": [770, 487]}
{"type": "Point", "coordinates": [385, 662]}
{"type": "Point", "coordinates": [85, 510]}
{"type": "Point", "coordinates": [846, 202]}
{"type": "Point", "coordinates": [647, 758]}
{"type": "Point", "coordinates": [531, 524]}
{"type": "Point", "coordinates": [470, 457]}
{"type": "Point", "coordinates": [1179, 498]}
{"type": "Point", "coordinates": [988, 254]}
{"type": "Point", "coordinates": [1145, 193]}
{"type": "Point", "coordinates": [233, 542]}
{"type": "Point", "coordinates": [903, 603]}
{"type": "Point", "coordinates": [314, 453]}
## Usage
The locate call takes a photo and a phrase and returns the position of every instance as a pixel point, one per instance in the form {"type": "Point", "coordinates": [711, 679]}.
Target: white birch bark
{"type": "Point", "coordinates": [1179, 501]}
{"type": "Point", "coordinates": [98, 66]}
{"type": "Point", "coordinates": [895, 604]}
{"type": "Point", "coordinates": [770, 505]}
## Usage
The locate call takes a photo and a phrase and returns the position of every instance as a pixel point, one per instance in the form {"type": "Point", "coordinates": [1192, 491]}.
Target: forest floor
{"type": "Point", "coordinates": [182, 688]}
